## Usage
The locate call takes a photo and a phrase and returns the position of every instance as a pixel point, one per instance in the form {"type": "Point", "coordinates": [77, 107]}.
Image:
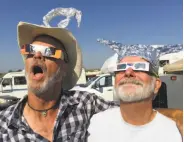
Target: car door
{"type": "Point", "coordinates": [6, 86]}
{"type": "Point", "coordinates": [105, 86]}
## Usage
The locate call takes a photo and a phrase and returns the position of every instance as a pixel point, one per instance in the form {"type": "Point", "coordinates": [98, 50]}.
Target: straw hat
{"type": "Point", "coordinates": [27, 32]}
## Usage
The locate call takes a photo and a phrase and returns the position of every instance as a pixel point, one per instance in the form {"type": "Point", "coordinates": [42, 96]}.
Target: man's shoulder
{"type": "Point", "coordinates": [5, 115]}
{"type": "Point", "coordinates": [108, 114]}
{"type": "Point", "coordinates": [80, 95]}
{"type": "Point", "coordinates": [103, 120]}
{"type": "Point", "coordinates": [7, 111]}
{"type": "Point", "coordinates": [168, 127]}
{"type": "Point", "coordinates": [165, 123]}
{"type": "Point", "coordinates": [165, 120]}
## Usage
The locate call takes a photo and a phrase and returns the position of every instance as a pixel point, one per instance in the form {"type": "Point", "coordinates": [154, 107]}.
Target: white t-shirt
{"type": "Point", "coordinates": [109, 126]}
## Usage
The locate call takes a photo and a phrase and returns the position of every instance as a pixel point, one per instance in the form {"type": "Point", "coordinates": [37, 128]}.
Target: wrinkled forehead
{"type": "Point", "coordinates": [132, 59]}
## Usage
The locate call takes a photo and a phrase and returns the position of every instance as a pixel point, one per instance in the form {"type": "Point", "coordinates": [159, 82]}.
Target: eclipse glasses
{"type": "Point", "coordinates": [46, 51]}
{"type": "Point", "coordinates": [136, 66]}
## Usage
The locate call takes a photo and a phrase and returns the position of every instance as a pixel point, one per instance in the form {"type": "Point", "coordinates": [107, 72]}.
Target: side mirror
{"type": "Point", "coordinates": [5, 84]}
{"type": "Point", "coordinates": [96, 85]}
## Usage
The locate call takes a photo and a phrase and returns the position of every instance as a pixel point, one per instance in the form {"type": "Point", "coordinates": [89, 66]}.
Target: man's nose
{"type": "Point", "coordinates": [130, 72]}
{"type": "Point", "coordinates": [38, 55]}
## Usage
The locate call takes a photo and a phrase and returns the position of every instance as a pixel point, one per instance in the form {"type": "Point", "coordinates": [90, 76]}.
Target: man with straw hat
{"type": "Point", "coordinates": [50, 112]}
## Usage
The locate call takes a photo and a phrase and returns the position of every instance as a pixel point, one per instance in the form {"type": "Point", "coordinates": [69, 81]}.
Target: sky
{"type": "Point", "coordinates": [125, 21]}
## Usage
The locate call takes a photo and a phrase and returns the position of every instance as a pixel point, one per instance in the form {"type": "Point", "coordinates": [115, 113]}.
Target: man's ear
{"type": "Point", "coordinates": [158, 84]}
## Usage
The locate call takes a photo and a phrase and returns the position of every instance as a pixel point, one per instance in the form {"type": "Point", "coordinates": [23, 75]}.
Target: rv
{"type": "Point", "coordinates": [13, 84]}
{"type": "Point", "coordinates": [168, 59]}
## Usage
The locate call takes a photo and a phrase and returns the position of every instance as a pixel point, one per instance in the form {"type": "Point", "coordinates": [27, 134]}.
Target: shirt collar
{"type": "Point", "coordinates": [16, 116]}
{"type": "Point", "coordinates": [15, 119]}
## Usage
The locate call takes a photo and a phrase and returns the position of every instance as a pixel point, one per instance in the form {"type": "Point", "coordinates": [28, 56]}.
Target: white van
{"type": "Point", "coordinates": [170, 94]}
{"type": "Point", "coordinates": [13, 84]}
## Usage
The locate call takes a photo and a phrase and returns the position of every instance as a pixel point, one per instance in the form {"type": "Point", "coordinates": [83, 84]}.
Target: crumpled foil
{"type": "Point", "coordinates": [112, 44]}
{"type": "Point", "coordinates": [148, 52]}
{"type": "Point", "coordinates": [67, 12]}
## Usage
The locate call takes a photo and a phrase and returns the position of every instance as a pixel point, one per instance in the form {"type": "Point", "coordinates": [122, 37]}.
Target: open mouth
{"type": "Point", "coordinates": [38, 72]}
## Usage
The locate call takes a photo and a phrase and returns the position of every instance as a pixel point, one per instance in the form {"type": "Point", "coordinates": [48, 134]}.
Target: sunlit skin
{"type": "Point", "coordinates": [50, 65]}
{"type": "Point", "coordinates": [137, 75]}
{"type": "Point", "coordinates": [136, 113]}
{"type": "Point", "coordinates": [39, 123]}
{"type": "Point", "coordinates": [146, 115]}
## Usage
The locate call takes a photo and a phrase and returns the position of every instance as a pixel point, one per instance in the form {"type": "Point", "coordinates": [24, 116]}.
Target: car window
{"type": "Point", "coordinates": [19, 80]}
{"type": "Point", "coordinates": [7, 81]}
{"type": "Point", "coordinates": [105, 81]}
{"type": "Point", "coordinates": [108, 81]}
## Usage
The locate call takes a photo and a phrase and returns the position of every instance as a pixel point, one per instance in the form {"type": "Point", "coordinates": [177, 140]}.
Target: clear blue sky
{"type": "Point", "coordinates": [125, 21]}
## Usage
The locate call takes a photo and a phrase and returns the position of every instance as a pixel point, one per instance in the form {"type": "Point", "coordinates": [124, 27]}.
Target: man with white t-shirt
{"type": "Point", "coordinates": [136, 84]}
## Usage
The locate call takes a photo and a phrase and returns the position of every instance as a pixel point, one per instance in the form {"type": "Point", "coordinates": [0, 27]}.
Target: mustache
{"type": "Point", "coordinates": [133, 81]}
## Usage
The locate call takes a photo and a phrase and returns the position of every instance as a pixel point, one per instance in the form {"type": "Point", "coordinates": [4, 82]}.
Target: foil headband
{"type": "Point", "coordinates": [148, 52]}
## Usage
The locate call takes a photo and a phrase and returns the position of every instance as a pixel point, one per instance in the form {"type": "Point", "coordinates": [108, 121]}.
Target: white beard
{"type": "Point", "coordinates": [48, 83]}
{"type": "Point", "coordinates": [141, 92]}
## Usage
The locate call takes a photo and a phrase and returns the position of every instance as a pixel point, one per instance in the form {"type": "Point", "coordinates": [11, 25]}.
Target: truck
{"type": "Point", "coordinates": [170, 94]}
{"type": "Point", "coordinates": [13, 84]}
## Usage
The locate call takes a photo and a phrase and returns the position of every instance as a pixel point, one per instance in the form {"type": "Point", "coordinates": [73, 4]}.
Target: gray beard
{"type": "Point", "coordinates": [142, 92]}
{"type": "Point", "coordinates": [46, 86]}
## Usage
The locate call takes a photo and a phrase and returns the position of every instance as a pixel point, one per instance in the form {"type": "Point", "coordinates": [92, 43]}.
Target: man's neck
{"type": "Point", "coordinates": [39, 123]}
{"type": "Point", "coordinates": [43, 102]}
{"type": "Point", "coordinates": [137, 113]}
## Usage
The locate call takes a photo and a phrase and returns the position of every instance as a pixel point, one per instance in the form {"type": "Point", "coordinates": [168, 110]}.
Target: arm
{"type": "Point", "coordinates": [99, 104]}
{"type": "Point", "coordinates": [174, 114]}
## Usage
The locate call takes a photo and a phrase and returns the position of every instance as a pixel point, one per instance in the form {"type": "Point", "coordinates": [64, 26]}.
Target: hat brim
{"type": "Point", "coordinates": [26, 34]}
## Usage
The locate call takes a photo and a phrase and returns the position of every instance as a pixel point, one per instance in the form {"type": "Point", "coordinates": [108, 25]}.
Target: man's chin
{"type": "Point", "coordinates": [37, 91]}
{"type": "Point", "coordinates": [36, 87]}
{"type": "Point", "coordinates": [129, 95]}
{"type": "Point", "coordinates": [130, 99]}
{"type": "Point", "coordinates": [126, 86]}
{"type": "Point", "coordinates": [129, 89]}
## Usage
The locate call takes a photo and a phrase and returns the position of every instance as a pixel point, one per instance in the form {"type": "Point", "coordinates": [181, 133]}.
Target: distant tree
{"type": "Point", "coordinates": [19, 70]}
{"type": "Point", "coordinates": [2, 74]}
{"type": "Point", "coordinates": [10, 71]}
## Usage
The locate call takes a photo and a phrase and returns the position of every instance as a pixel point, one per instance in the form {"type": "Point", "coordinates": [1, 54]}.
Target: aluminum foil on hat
{"type": "Point", "coordinates": [67, 12]}
{"type": "Point", "coordinates": [148, 52]}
